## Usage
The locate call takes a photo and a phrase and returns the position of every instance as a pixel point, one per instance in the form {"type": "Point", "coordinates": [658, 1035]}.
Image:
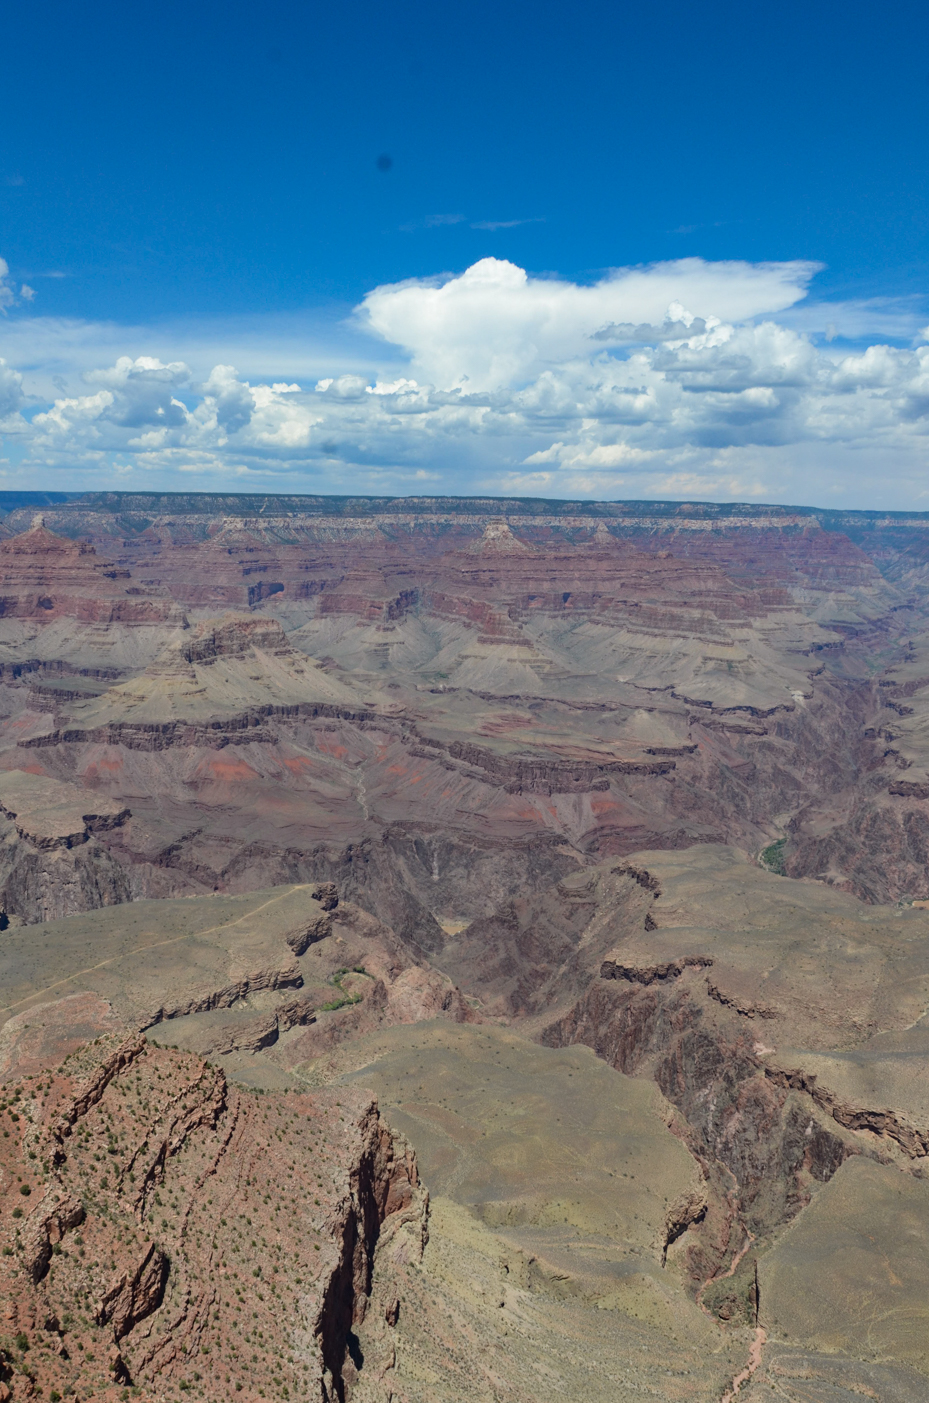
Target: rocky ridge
{"type": "Point", "coordinates": [168, 1233]}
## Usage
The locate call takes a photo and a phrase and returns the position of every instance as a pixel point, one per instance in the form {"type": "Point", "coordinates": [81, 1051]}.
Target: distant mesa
{"type": "Point", "coordinates": [38, 540]}
{"type": "Point", "coordinates": [498, 536]}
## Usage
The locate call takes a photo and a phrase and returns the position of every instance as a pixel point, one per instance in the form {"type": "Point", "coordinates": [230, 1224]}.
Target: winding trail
{"type": "Point", "coordinates": [754, 1360]}
{"type": "Point", "coordinates": [761, 1335]}
{"type": "Point", "coordinates": [156, 945]}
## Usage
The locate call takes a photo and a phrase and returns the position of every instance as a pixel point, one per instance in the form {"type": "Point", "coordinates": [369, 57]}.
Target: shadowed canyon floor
{"type": "Point", "coordinates": [463, 951]}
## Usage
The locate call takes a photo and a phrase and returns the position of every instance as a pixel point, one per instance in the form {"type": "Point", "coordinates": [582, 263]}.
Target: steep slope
{"type": "Point", "coordinates": [480, 809]}
{"type": "Point", "coordinates": [676, 1086]}
{"type": "Point", "coordinates": [166, 1232]}
{"type": "Point", "coordinates": [785, 1022]}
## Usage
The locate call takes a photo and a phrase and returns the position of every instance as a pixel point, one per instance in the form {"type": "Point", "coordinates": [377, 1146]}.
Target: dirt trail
{"type": "Point", "coordinates": [754, 1361]}
{"type": "Point", "coordinates": [156, 945]}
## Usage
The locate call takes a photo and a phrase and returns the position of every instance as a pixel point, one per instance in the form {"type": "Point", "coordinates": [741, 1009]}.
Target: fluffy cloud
{"type": "Point", "coordinates": [136, 408]}
{"type": "Point", "coordinates": [678, 379]}
{"type": "Point", "coordinates": [495, 326]}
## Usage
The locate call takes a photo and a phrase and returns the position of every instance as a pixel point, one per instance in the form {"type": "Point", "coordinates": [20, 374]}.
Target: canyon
{"type": "Point", "coordinates": [459, 948]}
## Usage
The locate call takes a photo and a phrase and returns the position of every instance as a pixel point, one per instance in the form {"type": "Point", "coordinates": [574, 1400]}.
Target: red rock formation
{"type": "Point", "coordinates": [45, 577]}
{"type": "Point", "coordinates": [165, 1231]}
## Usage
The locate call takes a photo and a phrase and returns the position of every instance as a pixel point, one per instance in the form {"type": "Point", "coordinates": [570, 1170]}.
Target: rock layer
{"type": "Point", "coordinates": [165, 1231]}
{"type": "Point", "coordinates": [469, 688]}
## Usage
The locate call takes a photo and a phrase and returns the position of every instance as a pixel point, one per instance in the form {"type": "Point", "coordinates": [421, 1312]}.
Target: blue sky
{"type": "Point", "coordinates": [201, 203]}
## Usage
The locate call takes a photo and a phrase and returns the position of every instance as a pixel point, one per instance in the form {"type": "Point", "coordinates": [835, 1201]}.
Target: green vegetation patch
{"type": "Point", "coordinates": [340, 1003]}
{"type": "Point", "coordinates": [772, 857]}
{"type": "Point", "coordinates": [346, 998]}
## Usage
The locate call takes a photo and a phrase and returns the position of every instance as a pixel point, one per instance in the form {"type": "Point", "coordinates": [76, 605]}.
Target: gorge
{"type": "Point", "coordinates": [461, 948]}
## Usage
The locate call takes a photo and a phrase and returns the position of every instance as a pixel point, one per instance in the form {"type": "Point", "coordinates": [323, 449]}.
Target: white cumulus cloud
{"type": "Point", "coordinates": [686, 378]}
{"type": "Point", "coordinates": [495, 326]}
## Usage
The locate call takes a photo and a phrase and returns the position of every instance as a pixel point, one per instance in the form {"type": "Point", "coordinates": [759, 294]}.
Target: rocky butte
{"type": "Point", "coordinates": [463, 949]}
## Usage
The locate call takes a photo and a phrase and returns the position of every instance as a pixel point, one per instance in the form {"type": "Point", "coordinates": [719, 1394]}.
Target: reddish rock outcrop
{"type": "Point", "coordinates": [163, 1230]}
{"type": "Point", "coordinates": [44, 577]}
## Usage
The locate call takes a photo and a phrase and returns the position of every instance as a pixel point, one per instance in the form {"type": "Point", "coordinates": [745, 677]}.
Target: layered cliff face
{"type": "Point", "coordinates": [45, 577]}
{"type": "Point", "coordinates": [165, 1232]}
{"type": "Point", "coordinates": [432, 707]}
{"type": "Point", "coordinates": [785, 1024]}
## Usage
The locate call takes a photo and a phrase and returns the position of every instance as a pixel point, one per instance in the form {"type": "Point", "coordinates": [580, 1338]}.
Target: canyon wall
{"type": "Point", "coordinates": [167, 1232]}
{"type": "Point", "coordinates": [433, 701]}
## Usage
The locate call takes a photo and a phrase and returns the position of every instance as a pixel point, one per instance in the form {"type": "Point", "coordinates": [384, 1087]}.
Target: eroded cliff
{"type": "Point", "coordinates": [167, 1232]}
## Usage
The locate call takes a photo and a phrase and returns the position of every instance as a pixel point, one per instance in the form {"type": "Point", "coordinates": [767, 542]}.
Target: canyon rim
{"type": "Point", "coordinates": [462, 948]}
